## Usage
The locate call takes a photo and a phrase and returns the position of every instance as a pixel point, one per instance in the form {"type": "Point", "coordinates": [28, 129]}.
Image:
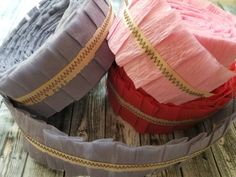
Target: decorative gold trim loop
{"type": "Point", "coordinates": [151, 119]}
{"type": "Point", "coordinates": [71, 70]}
{"type": "Point", "coordinates": [103, 165]}
{"type": "Point", "coordinates": [162, 65]}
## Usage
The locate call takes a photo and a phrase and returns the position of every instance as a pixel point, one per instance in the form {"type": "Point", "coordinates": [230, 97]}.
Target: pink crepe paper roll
{"type": "Point", "coordinates": [214, 28]}
{"type": "Point", "coordinates": [183, 34]}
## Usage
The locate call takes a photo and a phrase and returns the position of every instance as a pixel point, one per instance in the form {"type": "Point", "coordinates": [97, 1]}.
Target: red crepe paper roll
{"type": "Point", "coordinates": [166, 47]}
{"type": "Point", "coordinates": [147, 115]}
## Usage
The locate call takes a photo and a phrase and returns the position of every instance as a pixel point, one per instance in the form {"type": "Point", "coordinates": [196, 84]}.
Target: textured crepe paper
{"type": "Point", "coordinates": [215, 28]}
{"type": "Point", "coordinates": [25, 75]}
{"type": "Point", "coordinates": [117, 153]}
{"type": "Point", "coordinates": [196, 109]}
{"type": "Point", "coordinates": [182, 46]}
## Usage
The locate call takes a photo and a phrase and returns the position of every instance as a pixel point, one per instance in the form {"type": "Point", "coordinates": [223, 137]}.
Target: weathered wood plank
{"type": "Point", "coordinates": [6, 122]}
{"type": "Point", "coordinates": [89, 114]}
{"type": "Point", "coordinates": [33, 169]}
{"type": "Point", "coordinates": [63, 122]}
{"type": "Point", "coordinates": [172, 171]}
{"type": "Point", "coordinates": [224, 152]}
{"type": "Point", "coordinates": [205, 164]}
{"type": "Point", "coordinates": [14, 161]}
{"type": "Point", "coordinates": [201, 166]}
{"type": "Point", "coordinates": [13, 158]}
{"type": "Point", "coordinates": [95, 111]}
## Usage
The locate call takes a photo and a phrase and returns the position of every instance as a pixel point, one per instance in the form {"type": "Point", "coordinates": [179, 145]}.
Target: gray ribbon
{"type": "Point", "coordinates": [111, 152]}
{"type": "Point", "coordinates": [43, 45]}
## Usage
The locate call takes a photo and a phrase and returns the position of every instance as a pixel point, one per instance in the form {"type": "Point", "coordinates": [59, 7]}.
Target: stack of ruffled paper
{"type": "Point", "coordinates": [175, 61]}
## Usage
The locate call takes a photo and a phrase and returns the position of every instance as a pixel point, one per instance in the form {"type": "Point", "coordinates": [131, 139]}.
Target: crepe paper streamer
{"type": "Point", "coordinates": [147, 115]}
{"type": "Point", "coordinates": [191, 56]}
{"type": "Point", "coordinates": [65, 66]}
{"type": "Point", "coordinates": [55, 149]}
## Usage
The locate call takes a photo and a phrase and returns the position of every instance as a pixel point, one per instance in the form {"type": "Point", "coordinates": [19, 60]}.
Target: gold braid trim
{"type": "Point", "coordinates": [104, 165]}
{"type": "Point", "coordinates": [71, 70]}
{"type": "Point", "coordinates": [126, 2]}
{"type": "Point", "coordinates": [151, 119]}
{"type": "Point", "coordinates": [163, 66]}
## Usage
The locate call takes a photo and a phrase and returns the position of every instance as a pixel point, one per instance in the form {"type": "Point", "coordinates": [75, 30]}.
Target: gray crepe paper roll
{"type": "Point", "coordinates": [43, 72]}
{"type": "Point", "coordinates": [51, 147]}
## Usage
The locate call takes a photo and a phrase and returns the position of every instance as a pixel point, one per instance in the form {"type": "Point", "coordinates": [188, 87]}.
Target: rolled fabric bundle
{"type": "Point", "coordinates": [174, 50]}
{"type": "Point", "coordinates": [147, 115]}
{"type": "Point", "coordinates": [54, 148]}
{"type": "Point", "coordinates": [56, 56]}
{"type": "Point", "coordinates": [215, 29]}
{"type": "Point", "coordinates": [104, 157]}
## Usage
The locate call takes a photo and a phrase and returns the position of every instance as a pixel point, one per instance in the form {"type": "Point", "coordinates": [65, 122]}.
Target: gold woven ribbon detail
{"type": "Point", "coordinates": [71, 70]}
{"type": "Point", "coordinates": [151, 119]}
{"type": "Point", "coordinates": [162, 65]}
{"type": "Point", "coordinates": [103, 165]}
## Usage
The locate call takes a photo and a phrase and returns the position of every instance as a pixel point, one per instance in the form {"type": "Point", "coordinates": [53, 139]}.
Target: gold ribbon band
{"type": "Point", "coordinates": [162, 65]}
{"type": "Point", "coordinates": [151, 119]}
{"type": "Point", "coordinates": [71, 70]}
